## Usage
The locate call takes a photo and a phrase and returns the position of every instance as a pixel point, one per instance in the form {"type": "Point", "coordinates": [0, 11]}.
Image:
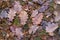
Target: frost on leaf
{"type": "Point", "coordinates": [37, 19]}
{"type": "Point", "coordinates": [34, 13]}
{"type": "Point", "coordinates": [51, 27]}
{"type": "Point", "coordinates": [23, 17]}
{"type": "Point", "coordinates": [33, 29]}
{"type": "Point", "coordinates": [17, 6]}
{"type": "Point", "coordinates": [11, 14]}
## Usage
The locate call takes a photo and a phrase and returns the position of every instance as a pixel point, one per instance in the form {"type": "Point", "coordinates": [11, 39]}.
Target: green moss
{"type": "Point", "coordinates": [22, 3]}
{"type": "Point", "coordinates": [51, 9]}
{"type": "Point", "coordinates": [43, 32]}
{"type": "Point", "coordinates": [37, 38]}
{"type": "Point", "coordinates": [30, 0]}
{"type": "Point", "coordinates": [16, 21]}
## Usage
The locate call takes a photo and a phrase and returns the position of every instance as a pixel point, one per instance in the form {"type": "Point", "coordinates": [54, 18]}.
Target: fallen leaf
{"type": "Point", "coordinates": [37, 19]}
{"type": "Point", "coordinates": [33, 29]}
{"type": "Point", "coordinates": [11, 14]}
{"type": "Point", "coordinates": [23, 17]}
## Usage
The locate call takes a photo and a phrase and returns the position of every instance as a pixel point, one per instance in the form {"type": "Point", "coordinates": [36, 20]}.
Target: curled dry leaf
{"type": "Point", "coordinates": [33, 29]}
{"type": "Point", "coordinates": [37, 19]}
{"type": "Point", "coordinates": [11, 14]}
{"type": "Point", "coordinates": [23, 17]}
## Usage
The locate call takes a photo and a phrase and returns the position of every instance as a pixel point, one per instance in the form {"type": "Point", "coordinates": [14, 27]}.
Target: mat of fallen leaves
{"type": "Point", "coordinates": [29, 19]}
